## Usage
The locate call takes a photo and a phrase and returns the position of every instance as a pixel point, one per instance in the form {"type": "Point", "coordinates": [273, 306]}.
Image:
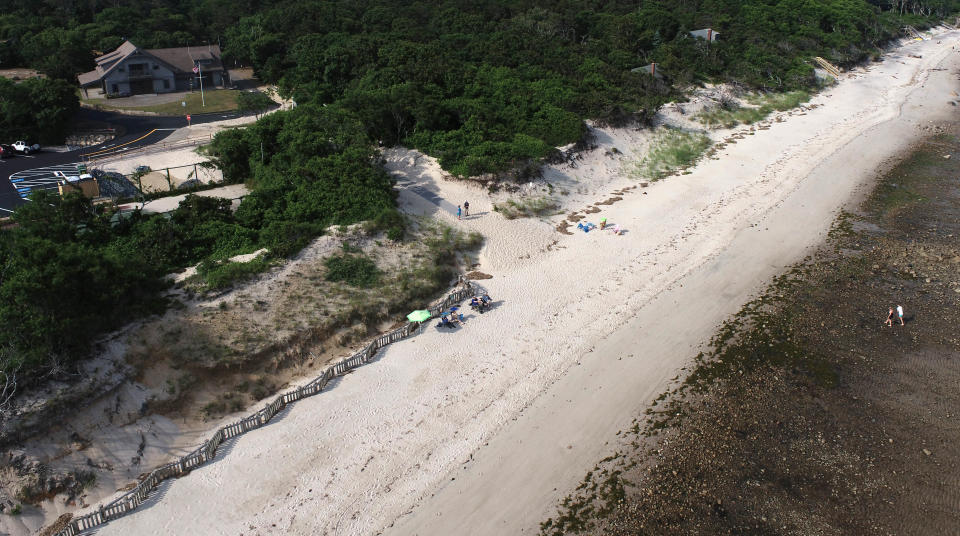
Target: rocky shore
{"type": "Point", "coordinates": [808, 415]}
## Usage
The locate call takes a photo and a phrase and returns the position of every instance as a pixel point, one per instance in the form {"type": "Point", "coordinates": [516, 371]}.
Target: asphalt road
{"type": "Point", "coordinates": [20, 175]}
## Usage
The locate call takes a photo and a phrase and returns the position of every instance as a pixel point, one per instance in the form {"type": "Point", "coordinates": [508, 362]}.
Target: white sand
{"type": "Point", "coordinates": [482, 430]}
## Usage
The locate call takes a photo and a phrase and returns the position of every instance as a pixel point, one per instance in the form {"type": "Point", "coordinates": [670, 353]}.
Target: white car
{"type": "Point", "coordinates": [25, 148]}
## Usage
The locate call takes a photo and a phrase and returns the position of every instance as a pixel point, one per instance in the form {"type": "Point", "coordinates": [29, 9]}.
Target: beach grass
{"type": "Point", "coordinates": [526, 208]}
{"type": "Point", "coordinates": [761, 105]}
{"type": "Point", "coordinates": [672, 149]}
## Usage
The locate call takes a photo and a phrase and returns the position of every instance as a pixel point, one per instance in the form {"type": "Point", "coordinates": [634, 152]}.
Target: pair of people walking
{"type": "Point", "coordinates": [899, 312]}
{"type": "Point", "coordinates": [465, 211]}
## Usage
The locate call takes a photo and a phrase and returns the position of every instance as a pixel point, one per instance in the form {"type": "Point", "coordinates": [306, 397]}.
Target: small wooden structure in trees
{"type": "Point", "coordinates": [709, 34]}
{"type": "Point", "coordinates": [650, 69]}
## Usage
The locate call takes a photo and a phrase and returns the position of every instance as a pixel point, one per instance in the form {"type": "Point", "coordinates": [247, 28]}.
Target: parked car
{"type": "Point", "coordinates": [6, 151]}
{"type": "Point", "coordinates": [25, 148]}
{"type": "Point", "coordinates": [72, 178]}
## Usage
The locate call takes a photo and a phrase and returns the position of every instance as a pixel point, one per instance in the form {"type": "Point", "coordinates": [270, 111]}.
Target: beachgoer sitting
{"type": "Point", "coordinates": [603, 223]}
{"type": "Point", "coordinates": [474, 302]}
{"type": "Point", "coordinates": [617, 230]}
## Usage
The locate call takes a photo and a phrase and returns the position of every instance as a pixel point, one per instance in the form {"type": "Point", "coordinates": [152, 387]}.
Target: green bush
{"type": "Point", "coordinates": [389, 220]}
{"type": "Point", "coordinates": [219, 275]}
{"type": "Point", "coordinates": [354, 270]}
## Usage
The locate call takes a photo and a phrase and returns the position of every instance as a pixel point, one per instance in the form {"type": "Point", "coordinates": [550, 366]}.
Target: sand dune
{"type": "Point", "coordinates": [482, 430]}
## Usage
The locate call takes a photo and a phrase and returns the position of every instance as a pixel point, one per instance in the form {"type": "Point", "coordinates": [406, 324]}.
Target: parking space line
{"type": "Point", "coordinates": [43, 178]}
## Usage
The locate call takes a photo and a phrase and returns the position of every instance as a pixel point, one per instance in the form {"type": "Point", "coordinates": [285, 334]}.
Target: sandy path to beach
{"type": "Point", "coordinates": [482, 430]}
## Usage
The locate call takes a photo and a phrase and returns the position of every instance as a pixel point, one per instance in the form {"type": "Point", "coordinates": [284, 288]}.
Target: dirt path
{"type": "Point", "coordinates": [482, 430]}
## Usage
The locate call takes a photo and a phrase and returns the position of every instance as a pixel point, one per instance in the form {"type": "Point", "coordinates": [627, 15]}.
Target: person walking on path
{"type": "Point", "coordinates": [900, 313]}
{"type": "Point", "coordinates": [889, 321]}
{"type": "Point", "coordinates": [458, 212]}
{"type": "Point", "coordinates": [466, 208]}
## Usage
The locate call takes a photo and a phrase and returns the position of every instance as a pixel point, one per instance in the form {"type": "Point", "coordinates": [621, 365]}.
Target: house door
{"type": "Point", "coordinates": [139, 87]}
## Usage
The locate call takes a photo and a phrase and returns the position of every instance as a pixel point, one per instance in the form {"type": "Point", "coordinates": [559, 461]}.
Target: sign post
{"type": "Point", "coordinates": [188, 120]}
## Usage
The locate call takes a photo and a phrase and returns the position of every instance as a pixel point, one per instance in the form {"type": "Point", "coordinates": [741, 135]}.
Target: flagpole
{"type": "Point", "coordinates": [203, 103]}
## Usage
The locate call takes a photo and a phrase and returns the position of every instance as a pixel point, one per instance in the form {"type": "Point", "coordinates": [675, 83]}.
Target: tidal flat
{"type": "Point", "coordinates": [807, 414]}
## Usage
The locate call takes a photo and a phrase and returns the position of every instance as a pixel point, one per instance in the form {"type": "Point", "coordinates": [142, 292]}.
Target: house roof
{"type": "Point", "coordinates": [179, 59]}
{"type": "Point", "coordinates": [106, 63]}
{"type": "Point", "coordinates": [183, 58]}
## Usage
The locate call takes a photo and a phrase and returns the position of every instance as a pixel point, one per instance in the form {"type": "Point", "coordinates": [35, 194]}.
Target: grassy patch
{"type": "Point", "coordinates": [219, 100]}
{"type": "Point", "coordinates": [526, 208]}
{"type": "Point", "coordinates": [672, 150]}
{"type": "Point", "coordinates": [762, 105]}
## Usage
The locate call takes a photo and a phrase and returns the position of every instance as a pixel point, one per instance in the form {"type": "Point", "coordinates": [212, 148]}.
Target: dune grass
{"type": "Point", "coordinates": [526, 208]}
{"type": "Point", "coordinates": [761, 105]}
{"type": "Point", "coordinates": [673, 149]}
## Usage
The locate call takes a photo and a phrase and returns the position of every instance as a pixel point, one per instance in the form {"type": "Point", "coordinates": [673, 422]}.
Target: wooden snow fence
{"type": "Point", "coordinates": [831, 69]}
{"type": "Point", "coordinates": [130, 500]}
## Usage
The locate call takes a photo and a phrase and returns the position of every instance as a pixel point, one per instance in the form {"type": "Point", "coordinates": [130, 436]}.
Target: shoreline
{"type": "Point", "coordinates": [444, 402]}
{"type": "Point", "coordinates": [806, 408]}
{"type": "Point", "coordinates": [688, 309]}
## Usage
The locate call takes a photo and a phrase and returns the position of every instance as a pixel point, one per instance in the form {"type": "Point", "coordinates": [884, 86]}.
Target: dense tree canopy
{"type": "Point", "coordinates": [37, 110]}
{"type": "Point", "coordinates": [484, 85]}
{"type": "Point", "coordinates": [487, 86]}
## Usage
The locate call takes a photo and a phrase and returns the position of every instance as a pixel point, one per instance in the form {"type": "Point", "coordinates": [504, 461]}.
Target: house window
{"type": "Point", "coordinates": [155, 66]}
{"type": "Point", "coordinates": [166, 84]}
{"type": "Point", "coordinates": [115, 89]}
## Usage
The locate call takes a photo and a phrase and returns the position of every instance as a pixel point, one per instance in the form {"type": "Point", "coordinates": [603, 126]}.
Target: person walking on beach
{"type": "Point", "coordinates": [900, 313]}
{"type": "Point", "coordinates": [889, 321]}
{"type": "Point", "coordinates": [466, 208]}
{"type": "Point", "coordinates": [458, 212]}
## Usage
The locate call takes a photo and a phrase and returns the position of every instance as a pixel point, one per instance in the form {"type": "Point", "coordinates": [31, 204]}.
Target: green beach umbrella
{"type": "Point", "coordinates": [418, 316]}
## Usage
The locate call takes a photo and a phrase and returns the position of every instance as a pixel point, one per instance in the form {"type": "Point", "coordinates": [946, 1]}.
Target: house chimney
{"type": "Point", "coordinates": [653, 68]}
{"type": "Point", "coordinates": [709, 34]}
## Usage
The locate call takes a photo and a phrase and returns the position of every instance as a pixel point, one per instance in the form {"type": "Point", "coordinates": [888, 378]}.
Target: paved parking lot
{"type": "Point", "coordinates": [42, 178]}
{"type": "Point", "coordinates": [19, 175]}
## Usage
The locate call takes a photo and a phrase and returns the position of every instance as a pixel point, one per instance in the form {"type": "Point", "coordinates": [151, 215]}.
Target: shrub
{"type": "Point", "coordinates": [389, 220]}
{"type": "Point", "coordinates": [219, 275]}
{"type": "Point", "coordinates": [354, 270]}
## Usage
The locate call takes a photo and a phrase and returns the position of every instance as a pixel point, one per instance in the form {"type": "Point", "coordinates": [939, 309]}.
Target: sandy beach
{"type": "Point", "coordinates": [482, 430]}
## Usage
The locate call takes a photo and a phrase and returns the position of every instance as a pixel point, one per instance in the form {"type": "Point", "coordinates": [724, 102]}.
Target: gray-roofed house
{"type": "Point", "coordinates": [130, 70]}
